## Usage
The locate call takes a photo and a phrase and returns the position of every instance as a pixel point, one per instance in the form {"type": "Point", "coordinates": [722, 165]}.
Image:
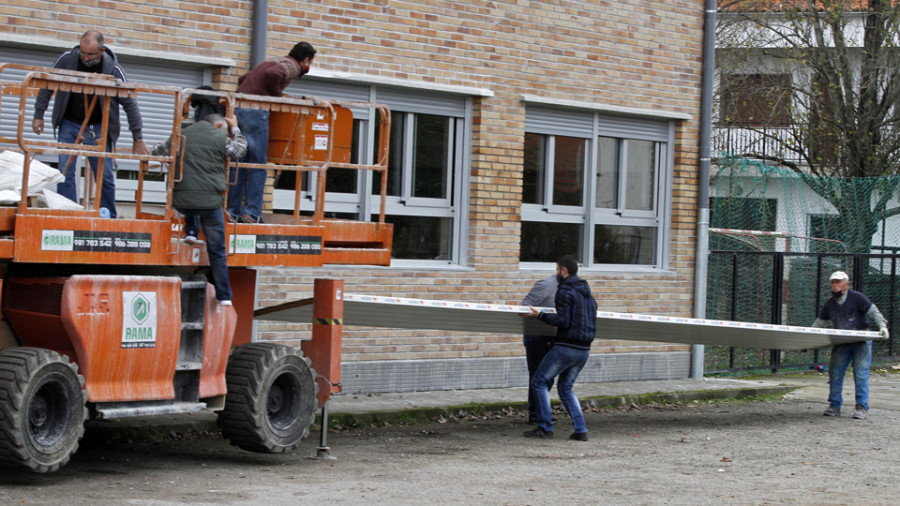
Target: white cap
{"type": "Point", "coordinates": [841, 275]}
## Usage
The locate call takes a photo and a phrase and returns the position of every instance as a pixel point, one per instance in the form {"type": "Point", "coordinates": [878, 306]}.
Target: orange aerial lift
{"type": "Point", "coordinates": [113, 318]}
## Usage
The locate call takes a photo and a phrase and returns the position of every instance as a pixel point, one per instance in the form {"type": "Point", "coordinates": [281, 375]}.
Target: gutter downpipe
{"type": "Point", "coordinates": [258, 40]}
{"type": "Point", "coordinates": [258, 34]}
{"type": "Point", "coordinates": [701, 260]}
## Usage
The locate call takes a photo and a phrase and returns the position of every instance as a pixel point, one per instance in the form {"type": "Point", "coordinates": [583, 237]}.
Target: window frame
{"type": "Point", "coordinates": [755, 100]}
{"type": "Point", "coordinates": [457, 107]}
{"type": "Point", "coordinates": [591, 125]}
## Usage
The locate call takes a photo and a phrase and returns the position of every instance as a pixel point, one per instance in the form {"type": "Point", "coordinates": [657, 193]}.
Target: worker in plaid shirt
{"type": "Point", "coordinates": [200, 194]}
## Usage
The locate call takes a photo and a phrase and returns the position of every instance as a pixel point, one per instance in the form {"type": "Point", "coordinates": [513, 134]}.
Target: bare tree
{"type": "Point", "coordinates": [814, 87]}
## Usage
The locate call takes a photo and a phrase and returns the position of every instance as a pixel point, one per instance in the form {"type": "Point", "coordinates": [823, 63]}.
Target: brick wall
{"type": "Point", "coordinates": [630, 53]}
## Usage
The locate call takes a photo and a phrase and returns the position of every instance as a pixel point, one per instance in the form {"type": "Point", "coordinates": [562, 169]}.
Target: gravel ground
{"type": "Point", "coordinates": [702, 453]}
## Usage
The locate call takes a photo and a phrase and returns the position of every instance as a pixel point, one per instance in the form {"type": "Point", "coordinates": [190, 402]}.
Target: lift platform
{"type": "Point", "coordinates": [304, 136]}
{"type": "Point", "coordinates": [114, 318]}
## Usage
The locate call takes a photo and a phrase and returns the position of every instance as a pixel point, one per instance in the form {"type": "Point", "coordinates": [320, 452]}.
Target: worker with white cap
{"type": "Point", "coordinates": [850, 310]}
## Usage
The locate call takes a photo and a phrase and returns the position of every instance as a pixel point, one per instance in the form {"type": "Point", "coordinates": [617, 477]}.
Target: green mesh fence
{"type": "Point", "coordinates": [775, 238]}
{"type": "Point", "coordinates": [781, 210]}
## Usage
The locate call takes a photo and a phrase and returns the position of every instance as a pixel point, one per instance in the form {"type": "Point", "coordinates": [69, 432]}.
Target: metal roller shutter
{"type": "Point", "coordinates": [306, 87]}
{"type": "Point", "coordinates": [575, 123]}
{"type": "Point", "coordinates": [10, 105]}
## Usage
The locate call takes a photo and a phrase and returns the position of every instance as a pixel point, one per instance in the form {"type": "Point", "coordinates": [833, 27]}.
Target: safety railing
{"type": "Point", "coordinates": [308, 136]}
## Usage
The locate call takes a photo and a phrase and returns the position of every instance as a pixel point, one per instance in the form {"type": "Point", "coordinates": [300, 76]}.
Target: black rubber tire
{"type": "Point", "coordinates": [42, 409]}
{"type": "Point", "coordinates": [271, 399]}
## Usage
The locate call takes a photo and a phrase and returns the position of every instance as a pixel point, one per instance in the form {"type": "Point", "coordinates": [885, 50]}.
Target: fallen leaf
{"type": "Point", "coordinates": [726, 459]}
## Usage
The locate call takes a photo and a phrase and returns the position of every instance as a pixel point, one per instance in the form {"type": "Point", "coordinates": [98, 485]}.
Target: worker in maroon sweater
{"type": "Point", "coordinates": [269, 78]}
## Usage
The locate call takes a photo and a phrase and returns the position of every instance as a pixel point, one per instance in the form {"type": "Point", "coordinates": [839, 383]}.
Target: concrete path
{"type": "Point", "coordinates": [592, 394]}
{"type": "Point", "coordinates": [884, 390]}
{"type": "Point", "coordinates": [813, 387]}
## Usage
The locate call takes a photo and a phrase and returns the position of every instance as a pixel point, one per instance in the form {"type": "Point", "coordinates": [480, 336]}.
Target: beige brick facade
{"type": "Point", "coordinates": [634, 54]}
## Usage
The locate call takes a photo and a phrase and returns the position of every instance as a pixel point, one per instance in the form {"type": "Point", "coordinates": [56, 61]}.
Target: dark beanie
{"type": "Point", "coordinates": [204, 105]}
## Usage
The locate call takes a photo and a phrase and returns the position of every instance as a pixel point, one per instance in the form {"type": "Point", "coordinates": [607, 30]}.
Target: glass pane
{"type": "Point", "coordinates": [534, 166]}
{"type": "Point", "coordinates": [624, 245]}
{"type": "Point", "coordinates": [430, 156]}
{"type": "Point", "coordinates": [641, 177]}
{"type": "Point", "coordinates": [341, 181]}
{"type": "Point", "coordinates": [568, 171]}
{"type": "Point", "coordinates": [607, 172]}
{"type": "Point", "coordinates": [420, 238]}
{"type": "Point", "coordinates": [546, 242]}
{"type": "Point", "coordinates": [395, 158]}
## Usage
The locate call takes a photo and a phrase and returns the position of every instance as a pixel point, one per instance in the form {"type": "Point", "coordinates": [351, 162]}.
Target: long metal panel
{"type": "Point", "coordinates": [401, 313]}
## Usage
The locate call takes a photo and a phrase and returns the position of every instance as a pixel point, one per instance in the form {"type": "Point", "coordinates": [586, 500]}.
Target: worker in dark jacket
{"type": "Point", "coordinates": [70, 109]}
{"type": "Point", "coordinates": [201, 191]}
{"type": "Point", "coordinates": [575, 320]}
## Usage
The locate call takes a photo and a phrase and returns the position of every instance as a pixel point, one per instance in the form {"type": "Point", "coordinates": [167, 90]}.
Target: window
{"type": "Point", "coordinates": [595, 186]}
{"type": "Point", "coordinates": [424, 162]}
{"type": "Point", "coordinates": [742, 213]}
{"type": "Point", "coordinates": [425, 169]}
{"type": "Point", "coordinates": [830, 228]}
{"type": "Point", "coordinates": [755, 100]}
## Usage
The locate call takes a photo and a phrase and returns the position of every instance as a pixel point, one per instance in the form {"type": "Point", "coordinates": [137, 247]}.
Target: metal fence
{"type": "Point", "coordinates": [790, 288]}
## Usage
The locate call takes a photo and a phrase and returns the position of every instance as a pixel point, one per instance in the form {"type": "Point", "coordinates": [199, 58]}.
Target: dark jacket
{"type": "Point", "coordinates": [69, 61]}
{"type": "Point", "coordinates": [576, 314]}
{"type": "Point", "coordinates": [203, 180]}
{"type": "Point", "coordinates": [851, 315]}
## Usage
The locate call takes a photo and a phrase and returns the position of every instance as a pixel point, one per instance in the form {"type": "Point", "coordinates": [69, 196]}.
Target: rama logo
{"type": "Point", "coordinates": [140, 308]}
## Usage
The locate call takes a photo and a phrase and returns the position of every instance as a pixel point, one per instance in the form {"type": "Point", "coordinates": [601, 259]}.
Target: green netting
{"type": "Point", "coordinates": [783, 210]}
{"type": "Point", "coordinates": [777, 235]}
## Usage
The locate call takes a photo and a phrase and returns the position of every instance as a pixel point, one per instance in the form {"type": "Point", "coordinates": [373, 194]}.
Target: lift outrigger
{"type": "Point", "coordinates": [108, 318]}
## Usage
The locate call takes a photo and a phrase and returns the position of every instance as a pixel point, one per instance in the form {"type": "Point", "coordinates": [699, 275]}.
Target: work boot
{"type": "Point", "coordinates": [538, 433]}
{"type": "Point", "coordinates": [861, 413]}
{"type": "Point", "coordinates": [578, 436]}
{"type": "Point", "coordinates": [832, 411]}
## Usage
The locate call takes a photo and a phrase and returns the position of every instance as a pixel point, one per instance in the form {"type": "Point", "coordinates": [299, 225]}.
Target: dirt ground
{"type": "Point", "coordinates": [736, 453]}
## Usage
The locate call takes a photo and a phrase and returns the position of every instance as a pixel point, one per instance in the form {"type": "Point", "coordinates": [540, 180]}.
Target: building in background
{"type": "Point", "coordinates": [806, 135]}
{"type": "Point", "coordinates": [520, 132]}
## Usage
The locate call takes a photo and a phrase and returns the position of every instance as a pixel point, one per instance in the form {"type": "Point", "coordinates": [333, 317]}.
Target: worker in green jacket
{"type": "Point", "coordinates": [200, 194]}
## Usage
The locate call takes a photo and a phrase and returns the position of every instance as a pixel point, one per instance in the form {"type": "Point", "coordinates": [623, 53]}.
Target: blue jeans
{"type": "Point", "coordinates": [213, 223]}
{"type": "Point", "coordinates": [566, 363]}
{"type": "Point", "coordinates": [251, 183]}
{"type": "Point", "coordinates": [191, 225]}
{"type": "Point", "coordinates": [67, 133]}
{"type": "Point", "coordinates": [841, 356]}
{"type": "Point", "coordinates": [536, 348]}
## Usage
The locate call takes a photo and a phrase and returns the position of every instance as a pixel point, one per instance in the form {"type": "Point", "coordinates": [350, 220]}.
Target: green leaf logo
{"type": "Point", "coordinates": [140, 308]}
